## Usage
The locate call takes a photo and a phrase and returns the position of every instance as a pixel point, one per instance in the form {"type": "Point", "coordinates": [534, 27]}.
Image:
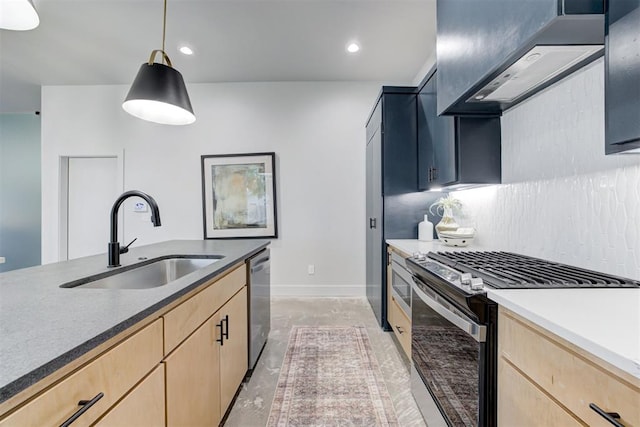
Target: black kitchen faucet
{"type": "Point", "coordinates": [114, 249]}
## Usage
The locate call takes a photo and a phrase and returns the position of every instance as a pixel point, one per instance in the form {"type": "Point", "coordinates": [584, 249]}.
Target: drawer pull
{"type": "Point", "coordinates": [226, 329]}
{"type": "Point", "coordinates": [221, 326]}
{"type": "Point", "coordinates": [400, 329]}
{"type": "Point", "coordinates": [86, 404]}
{"type": "Point", "coordinates": [612, 417]}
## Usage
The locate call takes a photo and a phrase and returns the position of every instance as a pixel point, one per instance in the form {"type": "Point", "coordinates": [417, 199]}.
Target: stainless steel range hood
{"type": "Point", "coordinates": [494, 54]}
{"type": "Point", "coordinates": [538, 66]}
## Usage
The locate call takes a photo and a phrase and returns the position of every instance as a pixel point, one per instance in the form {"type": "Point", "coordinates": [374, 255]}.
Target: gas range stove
{"type": "Point", "coordinates": [454, 325]}
{"type": "Point", "coordinates": [471, 271]}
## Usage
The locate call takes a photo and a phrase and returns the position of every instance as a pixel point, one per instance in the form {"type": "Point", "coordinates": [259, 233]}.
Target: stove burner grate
{"type": "Point", "coordinates": [505, 270]}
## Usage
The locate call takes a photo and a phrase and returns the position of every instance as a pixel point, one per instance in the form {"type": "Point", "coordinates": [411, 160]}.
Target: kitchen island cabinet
{"type": "Point", "coordinates": [205, 371]}
{"type": "Point", "coordinates": [149, 394]}
{"type": "Point", "coordinates": [234, 350]}
{"type": "Point", "coordinates": [127, 365]}
{"type": "Point", "coordinates": [103, 382]}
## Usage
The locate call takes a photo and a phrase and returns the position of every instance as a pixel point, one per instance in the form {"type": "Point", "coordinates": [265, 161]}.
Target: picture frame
{"type": "Point", "coordinates": [239, 196]}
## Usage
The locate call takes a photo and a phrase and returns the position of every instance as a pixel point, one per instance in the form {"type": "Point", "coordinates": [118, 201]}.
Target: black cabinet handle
{"type": "Point", "coordinates": [400, 330]}
{"type": "Point", "coordinates": [372, 222]}
{"type": "Point", "coordinates": [221, 339]}
{"type": "Point", "coordinates": [433, 174]}
{"type": "Point", "coordinates": [226, 329]}
{"type": "Point", "coordinates": [86, 404]}
{"type": "Point", "coordinates": [612, 417]}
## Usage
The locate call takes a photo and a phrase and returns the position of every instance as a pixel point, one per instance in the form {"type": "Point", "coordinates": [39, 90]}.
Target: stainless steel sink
{"type": "Point", "coordinates": [150, 275]}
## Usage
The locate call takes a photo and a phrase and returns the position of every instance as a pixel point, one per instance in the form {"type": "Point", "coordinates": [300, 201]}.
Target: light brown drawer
{"type": "Point", "coordinates": [180, 322]}
{"type": "Point", "coordinates": [574, 378]}
{"type": "Point", "coordinates": [113, 373]}
{"type": "Point", "coordinates": [522, 404]}
{"type": "Point", "coordinates": [401, 326]}
{"type": "Point", "coordinates": [143, 406]}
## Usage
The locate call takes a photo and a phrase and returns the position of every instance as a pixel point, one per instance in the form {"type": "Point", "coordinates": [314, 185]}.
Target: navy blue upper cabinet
{"type": "Point", "coordinates": [493, 54]}
{"type": "Point", "coordinates": [395, 113]}
{"type": "Point", "coordinates": [436, 141]}
{"type": "Point", "coordinates": [622, 76]}
{"type": "Point", "coordinates": [455, 151]}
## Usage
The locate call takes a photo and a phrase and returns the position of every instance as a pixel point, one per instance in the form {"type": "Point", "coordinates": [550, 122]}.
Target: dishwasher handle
{"type": "Point", "coordinates": [259, 263]}
{"type": "Point", "coordinates": [259, 268]}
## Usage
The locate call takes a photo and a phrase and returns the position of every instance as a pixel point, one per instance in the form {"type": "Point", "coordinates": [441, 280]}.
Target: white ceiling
{"type": "Point", "coordinates": [90, 42]}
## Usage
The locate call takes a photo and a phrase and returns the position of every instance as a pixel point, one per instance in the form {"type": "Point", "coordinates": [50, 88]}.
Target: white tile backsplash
{"type": "Point", "coordinates": [563, 199]}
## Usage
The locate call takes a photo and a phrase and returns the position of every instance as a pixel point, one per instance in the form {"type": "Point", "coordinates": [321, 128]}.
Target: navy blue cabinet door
{"type": "Point", "coordinates": [374, 226]}
{"type": "Point", "coordinates": [436, 141]}
{"type": "Point", "coordinates": [622, 76]}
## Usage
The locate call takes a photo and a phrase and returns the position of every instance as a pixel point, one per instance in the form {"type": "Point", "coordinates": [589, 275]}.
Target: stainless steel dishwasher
{"type": "Point", "coordinates": [259, 300]}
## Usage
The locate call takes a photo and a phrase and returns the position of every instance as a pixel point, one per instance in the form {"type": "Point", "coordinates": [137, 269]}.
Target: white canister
{"type": "Point", "coordinates": [425, 230]}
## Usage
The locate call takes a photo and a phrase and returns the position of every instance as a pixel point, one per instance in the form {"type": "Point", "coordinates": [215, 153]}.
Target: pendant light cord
{"type": "Point", "coordinates": [164, 29]}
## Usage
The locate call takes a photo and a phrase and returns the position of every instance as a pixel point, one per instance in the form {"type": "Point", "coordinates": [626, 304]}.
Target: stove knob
{"type": "Point", "coordinates": [419, 256]}
{"type": "Point", "coordinates": [477, 284]}
{"type": "Point", "coordinates": [465, 279]}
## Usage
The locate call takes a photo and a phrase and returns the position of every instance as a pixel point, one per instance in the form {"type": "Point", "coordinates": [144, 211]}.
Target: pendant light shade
{"type": "Point", "coordinates": [19, 15]}
{"type": "Point", "coordinates": [158, 93]}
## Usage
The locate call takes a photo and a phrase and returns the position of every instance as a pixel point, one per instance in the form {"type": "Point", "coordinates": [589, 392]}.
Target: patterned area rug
{"type": "Point", "coordinates": [330, 377]}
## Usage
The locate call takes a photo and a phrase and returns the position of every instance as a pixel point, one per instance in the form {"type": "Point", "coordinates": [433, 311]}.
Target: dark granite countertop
{"type": "Point", "coordinates": [44, 327]}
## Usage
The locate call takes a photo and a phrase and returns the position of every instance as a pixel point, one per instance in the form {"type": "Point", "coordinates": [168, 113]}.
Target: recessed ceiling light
{"type": "Point", "coordinates": [185, 50]}
{"type": "Point", "coordinates": [353, 47]}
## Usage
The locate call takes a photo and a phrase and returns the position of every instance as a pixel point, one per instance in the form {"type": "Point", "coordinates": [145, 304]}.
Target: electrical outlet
{"type": "Point", "coordinates": [311, 269]}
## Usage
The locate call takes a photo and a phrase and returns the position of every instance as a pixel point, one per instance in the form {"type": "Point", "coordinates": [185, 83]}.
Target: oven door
{"type": "Point", "coordinates": [447, 352]}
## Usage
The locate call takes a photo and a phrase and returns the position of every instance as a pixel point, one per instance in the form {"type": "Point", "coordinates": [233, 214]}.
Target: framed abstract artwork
{"type": "Point", "coordinates": [239, 196]}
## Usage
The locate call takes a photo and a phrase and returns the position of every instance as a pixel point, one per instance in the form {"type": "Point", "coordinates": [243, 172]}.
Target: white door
{"type": "Point", "coordinates": [93, 186]}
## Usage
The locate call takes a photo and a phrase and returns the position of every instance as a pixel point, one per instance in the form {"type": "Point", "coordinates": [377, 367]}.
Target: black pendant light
{"type": "Point", "coordinates": [158, 93]}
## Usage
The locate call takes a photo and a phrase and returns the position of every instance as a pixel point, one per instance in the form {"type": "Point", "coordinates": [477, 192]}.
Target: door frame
{"type": "Point", "coordinates": [63, 197]}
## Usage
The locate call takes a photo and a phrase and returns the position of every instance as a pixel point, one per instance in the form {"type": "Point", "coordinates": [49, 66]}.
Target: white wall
{"type": "Point", "coordinates": [316, 130]}
{"type": "Point", "coordinates": [563, 199]}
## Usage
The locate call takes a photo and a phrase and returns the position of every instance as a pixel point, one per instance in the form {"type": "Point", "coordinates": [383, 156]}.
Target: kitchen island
{"type": "Point", "coordinates": [47, 331]}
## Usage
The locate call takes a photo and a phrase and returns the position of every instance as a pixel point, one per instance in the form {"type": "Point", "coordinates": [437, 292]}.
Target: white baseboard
{"type": "Point", "coordinates": [318, 290]}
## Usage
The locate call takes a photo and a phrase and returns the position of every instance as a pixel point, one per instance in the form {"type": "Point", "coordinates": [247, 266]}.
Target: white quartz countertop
{"type": "Point", "coordinates": [604, 322]}
{"type": "Point", "coordinates": [411, 246]}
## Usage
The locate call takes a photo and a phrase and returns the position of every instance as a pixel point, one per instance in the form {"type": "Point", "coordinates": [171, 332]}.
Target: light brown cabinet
{"type": "Point", "coordinates": [234, 356]}
{"type": "Point", "coordinates": [398, 319]}
{"type": "Point", "coordinates": [193, 378]}
{"type": "Point", "coordinates": [205, 371]}
{"type": "Point", "coordinates": [143, 406]}
{"type": "Point", "coordinates": [113, 374]}
{"type": "Point", "coordinates": [542, 377]}
{"type": "Point", "coordinates": [183, 368]}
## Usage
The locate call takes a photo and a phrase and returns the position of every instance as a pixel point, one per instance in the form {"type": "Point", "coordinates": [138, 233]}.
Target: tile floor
{"type": "Point", "coordinates": [253, 403]}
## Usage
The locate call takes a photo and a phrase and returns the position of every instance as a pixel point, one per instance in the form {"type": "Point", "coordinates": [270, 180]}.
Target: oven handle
{"type": "Point", "coordinates": [444, 309]}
